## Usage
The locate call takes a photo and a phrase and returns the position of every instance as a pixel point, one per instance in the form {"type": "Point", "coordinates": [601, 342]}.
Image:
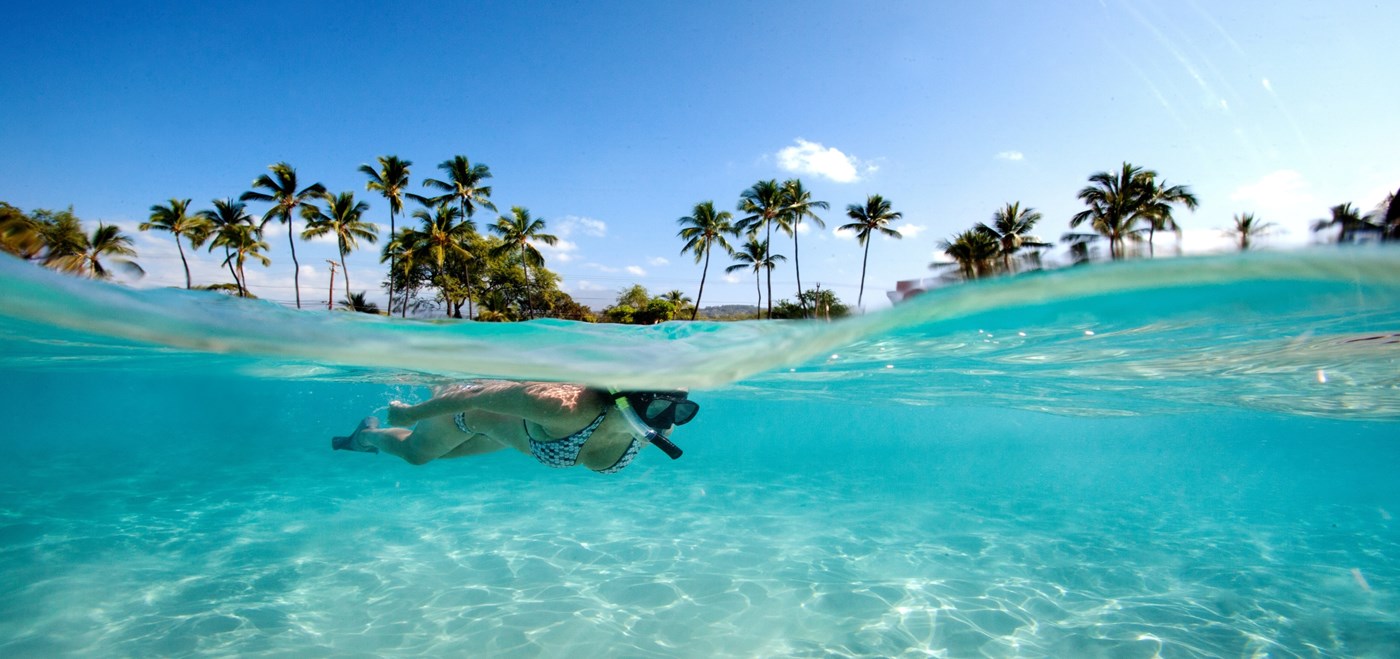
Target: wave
{"type": "Point", "coordinates": [1082, 339]}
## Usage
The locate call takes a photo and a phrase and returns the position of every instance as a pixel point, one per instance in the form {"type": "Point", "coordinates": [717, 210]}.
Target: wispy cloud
{"type": "Point", "coordinates": [910, 230]}
{"type": "Point", "coordinates": [562, 250]}
{"type": "Point", "coordinates": [1013, 156]}
{"type": "Point", "coordinates": [636, 270]}
{"type": "Point", "coordinates": [806, 157]}
{"type": "Point", "coordinates": [573, 224]}
{"type": "Point", "coordinates": [658, 261]}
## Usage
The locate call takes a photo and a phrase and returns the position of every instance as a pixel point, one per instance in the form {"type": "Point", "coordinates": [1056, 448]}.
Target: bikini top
{"type": "Point", "coordinates": [564, 452]}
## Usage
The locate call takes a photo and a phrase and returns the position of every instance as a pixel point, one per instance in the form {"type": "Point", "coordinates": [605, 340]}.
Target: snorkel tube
{"type": "Point", "coordinates": [640, 429]}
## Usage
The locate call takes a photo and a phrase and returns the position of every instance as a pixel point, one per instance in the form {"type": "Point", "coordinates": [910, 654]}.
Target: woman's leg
{"type": "Point", "coordinates": [439, 437]}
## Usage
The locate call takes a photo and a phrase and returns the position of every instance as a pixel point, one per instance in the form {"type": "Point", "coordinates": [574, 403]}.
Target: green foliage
{"type": "Point", "coordinates": [815, 303]}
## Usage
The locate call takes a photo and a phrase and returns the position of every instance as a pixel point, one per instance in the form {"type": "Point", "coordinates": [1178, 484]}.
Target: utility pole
{"type": "Point", "coordinates": [330, 302]}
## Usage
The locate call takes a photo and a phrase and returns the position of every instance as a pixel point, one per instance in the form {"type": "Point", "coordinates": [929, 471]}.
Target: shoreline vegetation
{"type": "Point", "coordinates": [443, 262]}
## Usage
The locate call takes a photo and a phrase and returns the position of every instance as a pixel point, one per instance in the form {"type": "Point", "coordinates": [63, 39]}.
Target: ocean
{"type": "Point", "coordinates": [1192, 457]}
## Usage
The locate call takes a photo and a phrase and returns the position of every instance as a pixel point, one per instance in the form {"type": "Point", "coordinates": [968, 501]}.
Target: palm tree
{"type": "Point", "coordinates": [176, 219]}
{"type": "Point", "coordinates": [225, 220]}
{"type": "Point", "coordinates": [389, 180]}
{"type": "Point", "coordinates": [1390, 217]}
{"type": "Point", "coordinates": [441, 234]}
{"type": "Point", "coordinates": [755, 255]}
{"type": "Point", "coordinates": [284, 196]}
{"type": "Point", "coordinates": [702, 230]}
{"type": "Point", "coordinates": [973, 250]}
{"type": "Point", "coordinates": [516, 232]}
{"type": "Point", "coordinates": [1347, 218]}
{"type": "Point", "coordinates": [874, 216]}
{"type": "Point", "coordinates": [1156, 208]}
{"type": "Point", "coordinates": [677, 298]}
{"type": "Point", "coordinates": [798, 203]}
{"type": "Point", "coordinates": [357, 302]}
{"type": "Point", "coordinates": [343, 217]}
{"type": "Point", "coordinates": [1115, 201]}
{"type": "Point", "coordinates": [19, 234]}
{"type": "Point", "coordinates": [1011, 227]}
{"type": "Point", "coordinates": [1247, 227]}
{"type": "Point", "coordinates": [764, 203]}
{"type": "Point", "coordinates": [106, 242]}
{"type": "Point", "coordinates": [464, 185]}
{"type": "Point", "coordinates": [245, 242]}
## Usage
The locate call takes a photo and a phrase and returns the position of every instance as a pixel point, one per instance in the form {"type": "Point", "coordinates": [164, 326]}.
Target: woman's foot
{"type": "Point", "coordinates": [356, 441]}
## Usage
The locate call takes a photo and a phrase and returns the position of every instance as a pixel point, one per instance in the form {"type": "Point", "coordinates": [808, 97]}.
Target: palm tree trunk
{"type": "Point", "coordinates": [530, 312]}
{"type": "Point", "coordinates": [767, 258]}
{"type": "Point", "coordinates": [237, 279]}
{"type": "Point", "coordinates": [758, 288]}
{"type": "Point", "coordinates": [346, 271]}
{"type": "Point", "coordinates": [183, 261]}
{"type": "Point", "coordinates": [296, 267]}
{"type": "Point", "coordinates": [1151, 233]}
{"type": "Point", "coordinates": [696, 311]}
{"type": "Point", "coordinates": [861, 296]}
{"type": "Point", "coordinates": [391, 260]}
{"type": "Point", "coordinates": [797, 266]}
{"type": "Point", "coordinates": [242, 290]}
{"type": "Point", "coordinates": [470, 312]}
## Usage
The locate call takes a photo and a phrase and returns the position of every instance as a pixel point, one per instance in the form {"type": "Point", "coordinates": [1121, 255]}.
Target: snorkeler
{"type": "Point", "coordinates": [562, 425]}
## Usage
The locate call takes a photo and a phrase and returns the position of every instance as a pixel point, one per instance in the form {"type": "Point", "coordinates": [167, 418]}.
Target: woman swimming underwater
{"type": "Point", "coordinates": [561, 424]}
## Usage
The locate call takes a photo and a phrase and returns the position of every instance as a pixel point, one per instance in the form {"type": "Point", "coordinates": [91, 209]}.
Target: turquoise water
{"type": "Point", "coordinates": [1178, 458]}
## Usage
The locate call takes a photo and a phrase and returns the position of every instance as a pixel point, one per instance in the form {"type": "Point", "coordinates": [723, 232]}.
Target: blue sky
{"type": "Point", "coordinates": [611, 120]}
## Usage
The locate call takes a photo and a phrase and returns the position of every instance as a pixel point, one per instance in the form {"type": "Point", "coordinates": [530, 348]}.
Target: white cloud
{"type": "Point", "coordinates": [569, 224]}
{"type": "Point", "coordinates": [585, 285]}
{"type": "Point", "coordinates": [562, 250]}
{"type": "Point", "coordinates": [812, 158]}
{"type": "Point", "coordinates": [910, 230]}
{"type": "Point", "coordinates": [1268, 86]}
{"type": "Point", "coordinates": [1013, 156]}
{"type": "Point", "coordinates": [636, 270]}
{"type": "Point", "coordinates": [658, 261]}
{"type": "Point", "coordinates": [731, 278]}
{"type": "Point", "coordinates": [843, 235]}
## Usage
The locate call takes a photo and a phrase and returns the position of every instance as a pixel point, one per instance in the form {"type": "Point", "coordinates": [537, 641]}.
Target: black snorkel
{"type": "Point", "coordinates": [640, 429]}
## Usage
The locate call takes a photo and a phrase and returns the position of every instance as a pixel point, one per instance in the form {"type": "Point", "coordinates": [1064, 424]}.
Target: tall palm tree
{"type": "Point", "coordinates": [755, 256]}
{"type": "Point", "coordinates": [702, 230]}
{"type": "Point", "coordinates": [874, 216]}
{"type": "Point", "coordinates": [1347, 218]}
{"type": "Point", "coordinates": [463, 184]}
{"type": "Point", "coordinates": [516, 232]}
{"type": "Point", "coordinates": [283, 194]}
{"type": "Point", "coordinates": [798, 203]}
{"type": "Point", "coordinates": [106, 242]}
{"type": "Point", "coordinates": [343, 217]}
{"type": "Point", "coordinates": [1247, 228]}
{"type": "Point", "coordinates": [225, 220]}
{"type": "Point", "coordinates": [1010, 227]}
{"type": "Point", "coordinates": [442, 232]}
{"type": "Point", "coordinates": [389, 180]}
{"type": "Point", "coordinates": [175, 218]}
{"type": "Point", "coordinates": [1389, 213]}
{"type": "Point", "coordinates": [1115, 202]}
{"type": "Point", "coordinates": [1156, 209]}
{"type": "Point", "coordinates": [764, 204]}
{"type": "Point", "coordinates": [973, 250]}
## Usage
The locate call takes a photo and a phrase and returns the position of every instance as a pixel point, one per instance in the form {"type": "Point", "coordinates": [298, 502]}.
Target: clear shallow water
{"type": "Point", "coordinates": [1154, 468]}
